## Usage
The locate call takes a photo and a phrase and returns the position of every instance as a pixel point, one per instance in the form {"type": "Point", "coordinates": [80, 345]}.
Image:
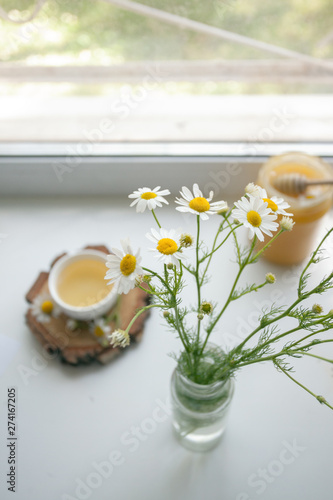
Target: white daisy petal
{"type": "Point", "coordinates": [164, 192]}
{"type": "Point", "coordinates": [151, 238]}
{"type": "Point", "coordinates": [161, 200]}
{"type": "Point", "coordinates": [155, 233]}
{"type": "Point", "coordinates": [182, 209]}
{"type": "Point", "coordinates": [117, 253]}
{"type": "Point", "coordinates": [134, 202]}
{"type": "Point", "coordinates": [119, 338]}
{"type": "Point", "coordinates": [196, 191]}
{"type": "Point", "coordinates": [141, 206]}
{"type": "Point", "coordinates": [125, 243]}
{"type": "Point", "coordinates": [182, 201]}
{"type": "Point", "coordinates": [186, 193]}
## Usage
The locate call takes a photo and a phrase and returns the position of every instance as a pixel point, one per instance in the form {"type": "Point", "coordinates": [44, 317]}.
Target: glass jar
{"type": "Point", "coordinates": [199, 411]}
{"type": "Point", "coordinates": [308, 209]}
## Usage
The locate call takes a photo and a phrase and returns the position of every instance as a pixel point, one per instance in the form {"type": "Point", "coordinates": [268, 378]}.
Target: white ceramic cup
{"type": "Point", "coordinates": [85, 312]}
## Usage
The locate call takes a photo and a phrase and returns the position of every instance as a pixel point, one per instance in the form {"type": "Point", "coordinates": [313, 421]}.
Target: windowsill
{"type": "Point", "coordinates": [71, 169]}
{"type": "Point", "coordinates": [158, 117]}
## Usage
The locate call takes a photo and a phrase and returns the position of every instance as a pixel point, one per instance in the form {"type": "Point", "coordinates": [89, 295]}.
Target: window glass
{"type": "Point", "coordinates": [243, 71]}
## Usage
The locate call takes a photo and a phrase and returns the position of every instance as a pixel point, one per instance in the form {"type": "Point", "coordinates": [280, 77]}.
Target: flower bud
{"type": "Point", "coordinates": [186, 240]}
{"type": "Point", "coordinates": [317, 309]}
{"type": "Point", "coordinates": [200, 316]}
{"type": "Point", "coordinates": [270, 278]}
{"type": "Point", "coordinates": [286, 223]}
{"type": "Point", "coordinates": [206, 308]}
{"type": "Point", "coordinates": [223, 211]}
{"type": "Point", "coordinates": [253, 189]}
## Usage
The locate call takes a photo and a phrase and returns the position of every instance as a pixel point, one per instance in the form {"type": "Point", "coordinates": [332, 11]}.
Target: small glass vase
{"type": "Point", "coordinates": [199, 411]}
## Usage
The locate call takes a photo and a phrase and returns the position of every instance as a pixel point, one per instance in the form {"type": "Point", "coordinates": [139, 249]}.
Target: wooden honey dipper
{"type": "Point", "coordinates": [295, 184]}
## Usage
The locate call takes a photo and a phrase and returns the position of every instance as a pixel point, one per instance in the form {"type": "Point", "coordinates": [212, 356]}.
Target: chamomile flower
{"type": "Point", "coordinates": [119, 338]}
{"type": "Point", "coordinates": [254, 214]}
{"type": "Point", "coordinates": [43, 308]}
{"type": "Point", "coordinates": [197, 204]}
{"type": "Point", "coordinates": [166, 246]}
{"type": "Point", "coordinates": [151, 198]}
{"type": "Point", "coordinates": [124, 267]}
{"type": "Point", "coordinates": [101, 331]}
{"type": "Point", "coordinates": [277, 205]}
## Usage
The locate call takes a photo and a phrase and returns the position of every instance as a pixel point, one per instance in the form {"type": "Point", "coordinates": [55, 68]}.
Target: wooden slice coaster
{"type": "Point", "coordinates": [79, 346]}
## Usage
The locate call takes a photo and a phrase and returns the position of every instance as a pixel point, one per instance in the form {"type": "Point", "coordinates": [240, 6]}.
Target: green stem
{"type": "Point", "coordinates": [308, 346]}
{"type": "Point", "coordinates": [272, 357]}
{"type": "Point", "coordinates": [189, 270]}
{"type": "Point", "coordinates": [197, 275]}
{"type": "Point", "coordinates": [319, 398]}
{"type": "Point", "coordinates": [153, 212]}
{"type": "Point", "coordinates": [156, 276]}
{"type": "Point", "coordinates": [311, 261]}
{"type": "Point", "coordinates": [181, 333]}
{"type": "Point", "coordinates": [266, 246]}
{"type": "Point", "coordinates": [140, 311]}
{"type": "Point", "coordinates": [260, 360]}
{"type": "Point", "coordinates": [316, 356]}
{"type": "Point", "coordinates": [269, 322]}
{"type": "Point", "coordinates": [293, 330]}
{"type": "Point", "coordinates": [210, 255]}
{"type": "Point", "coordinates": [229, 299]}
{"type": "Point", "coordinates": [236, 243]}
{"type": "Point", "coordinates": [297, 342]}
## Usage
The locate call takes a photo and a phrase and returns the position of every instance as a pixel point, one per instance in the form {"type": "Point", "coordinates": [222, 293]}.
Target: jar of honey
{"type": "Point", "coordinates": [308, 208]}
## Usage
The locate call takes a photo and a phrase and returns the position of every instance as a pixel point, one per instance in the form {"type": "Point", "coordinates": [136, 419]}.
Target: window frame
{"type": "Point", "coordinates": [60, 169]}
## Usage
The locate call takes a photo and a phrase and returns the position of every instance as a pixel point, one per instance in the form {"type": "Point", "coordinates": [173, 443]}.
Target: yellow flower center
{"type": "Point", "coordinates": [167, 246]}
{"type": "Point", "coordinates": [199, 204]}
{"type": "Point", "coordinates": [254, 218]}
{"type": "Point", "coordinates": [98, 331]}
{"type": "Point", "coordinates": [271, 204]}
{"type": "Point", "coordinates": [148, 196]}
{"type": "Point", "coordinates": [47, 307]}
{"type": "Point", "coordinates": [128, 264]}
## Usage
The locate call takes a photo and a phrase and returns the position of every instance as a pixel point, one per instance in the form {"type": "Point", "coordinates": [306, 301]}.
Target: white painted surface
{"type": "Point", "coordinates": [141, 114]}
{"type": "Point", "coordinates": [72, 418]}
